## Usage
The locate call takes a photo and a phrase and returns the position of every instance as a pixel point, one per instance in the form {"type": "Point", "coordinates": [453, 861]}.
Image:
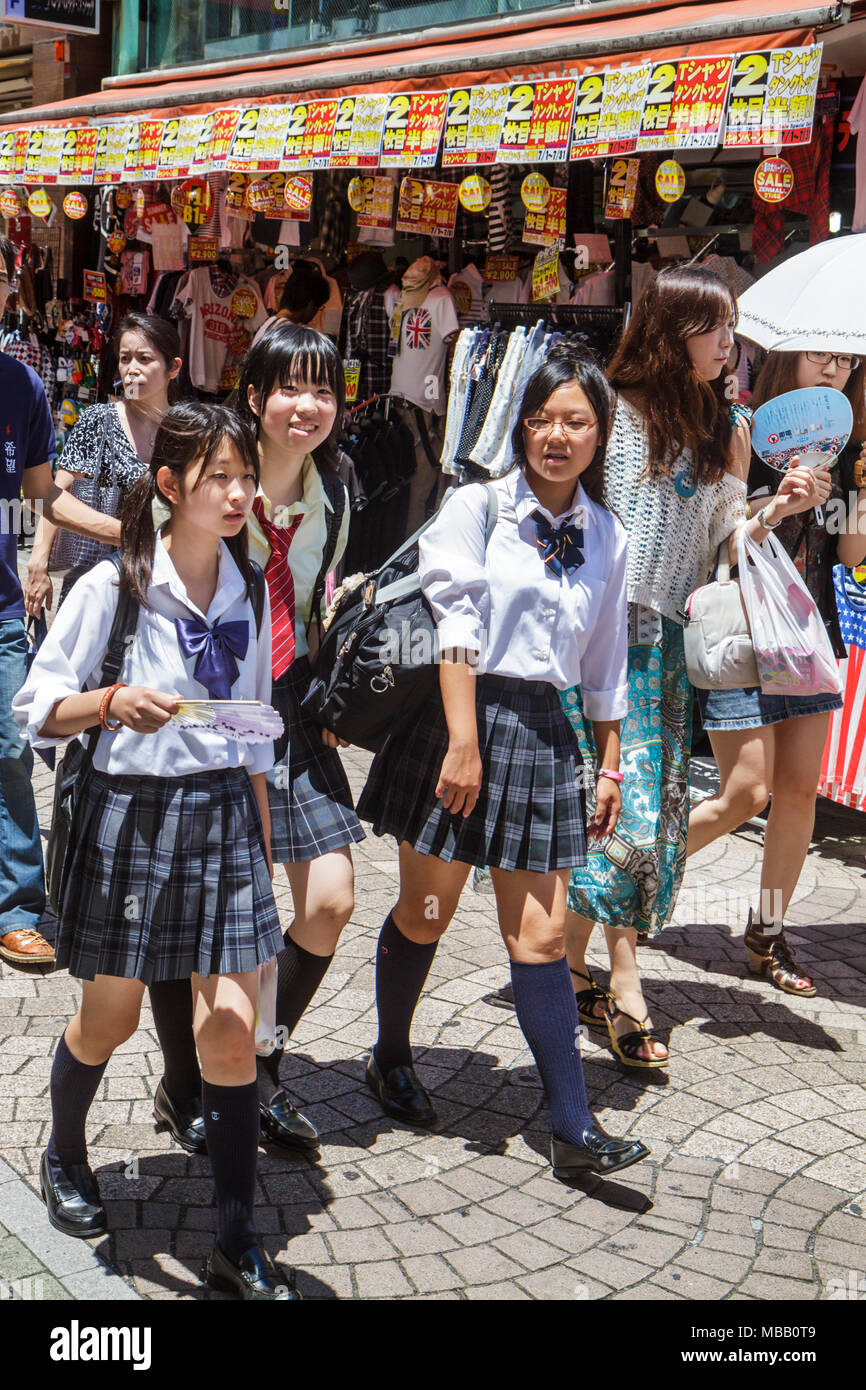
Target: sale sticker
{"type": "Point", "coordinates": [774, 180]}
{"type": "Point", "coordinates": [39, 204]}
{"type": "Point", "coordinates": [545, 275]}
{"type": "Point", "coordinates": [670, 181]}
{"type": "Point", "coordinates": [498, 269]}
{"type": "Point", "coordinates": [474, 193]}
{"type": "Point", "coordinates": [535, 192]}
{"type": "Point", "coordinates": [192, 200]}
{"type": "Point", "coordinates": [244, 303]}
{"type": "Point", "coordinates": [10, 205]}
{"type": "Point", "coordinates": [298, 194]}
{"type": "Point", "coordinates": [95, 288]}
{"type": "Point", "coordinates": [547, 227]}
{"type": "Point", "coordinates": [75, 206]}
{"type": "Point", "coordinates": [204, 248]}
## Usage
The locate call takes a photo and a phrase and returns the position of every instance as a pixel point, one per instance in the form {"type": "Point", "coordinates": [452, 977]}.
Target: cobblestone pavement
{"type": "Point", "coordinates": [756, 1188]}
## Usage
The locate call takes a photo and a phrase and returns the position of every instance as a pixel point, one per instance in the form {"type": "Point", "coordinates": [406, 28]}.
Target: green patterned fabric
{"type": "Point", "coordinates": [632, 878]}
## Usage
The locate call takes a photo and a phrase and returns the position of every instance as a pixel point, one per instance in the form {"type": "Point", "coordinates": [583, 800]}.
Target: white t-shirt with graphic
{"type": "Point", "coordinates": [419, 367]}
{"type": "Point", "coordinates": [217, 330]}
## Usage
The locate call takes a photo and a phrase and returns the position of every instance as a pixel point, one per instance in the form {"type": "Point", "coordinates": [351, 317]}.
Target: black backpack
{"type": "Point", "coordinates": [377, 663]}
{"type": "Point", "coordinates": [71, 776]}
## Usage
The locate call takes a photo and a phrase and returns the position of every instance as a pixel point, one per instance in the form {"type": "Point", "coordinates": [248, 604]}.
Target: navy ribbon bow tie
{"type": "Point", "coordinates": [216, 649]}
{"type": "Point", "coordinates": [561, 548]}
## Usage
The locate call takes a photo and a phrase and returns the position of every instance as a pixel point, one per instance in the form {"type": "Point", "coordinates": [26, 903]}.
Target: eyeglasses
{"type": "Point", "coordinates": [573, 428]}
{"type": "Point", "coordinates": [842, 359]}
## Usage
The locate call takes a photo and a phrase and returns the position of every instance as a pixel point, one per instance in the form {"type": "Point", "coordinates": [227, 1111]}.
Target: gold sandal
{"type": "Point", "coordinates": [625, 1045]}
{"type": "Point", "coordinates": [771, 956]}
{"type": "Point", "coordinates": [587, 998]}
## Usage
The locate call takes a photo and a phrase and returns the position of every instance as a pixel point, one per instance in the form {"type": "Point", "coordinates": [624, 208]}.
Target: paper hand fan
{"type": "Point", "coordinates": [814, 423]}
{"type": "Point", "coordinates": [243, 721]}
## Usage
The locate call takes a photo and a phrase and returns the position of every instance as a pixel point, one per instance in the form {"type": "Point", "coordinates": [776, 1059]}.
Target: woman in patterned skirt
{"type": "Point", "coordinates": [675, 473]}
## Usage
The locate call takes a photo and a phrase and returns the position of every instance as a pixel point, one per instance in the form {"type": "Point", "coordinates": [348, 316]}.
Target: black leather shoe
{"type": "Point", "coordinates": [185, 1124]}
{"type": "Point", "coordinates": [401, 1094]}
{"type": "Point", "coordinates": [253, 1278]}
{"type": "Point", "coordinates": [286, 1126]}
{"type": "Point", "coordinates": [599, 1153]}
{"type": "Point", "coordinates": [72, 1199]}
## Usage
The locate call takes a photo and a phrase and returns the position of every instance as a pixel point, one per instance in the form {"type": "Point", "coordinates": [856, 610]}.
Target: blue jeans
{"type": "Point", "coordinates": [22, 876]}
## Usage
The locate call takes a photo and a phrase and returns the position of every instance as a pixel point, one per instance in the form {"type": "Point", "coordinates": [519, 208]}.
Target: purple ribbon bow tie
{"type": "Point", "coordinates": [216, 649]}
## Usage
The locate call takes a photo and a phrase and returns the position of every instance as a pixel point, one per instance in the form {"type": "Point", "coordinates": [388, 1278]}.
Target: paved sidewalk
{"type": "Point", "coordinates": [756, 1188]}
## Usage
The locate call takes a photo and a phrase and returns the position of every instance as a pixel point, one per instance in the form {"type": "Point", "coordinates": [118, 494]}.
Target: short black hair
{"type": "Point", "coordinates": [284, 350]}
{"type": "Point", "coordinates": [564, 365]}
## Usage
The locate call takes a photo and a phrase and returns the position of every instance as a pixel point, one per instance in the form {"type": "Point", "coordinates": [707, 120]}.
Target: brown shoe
{"type": "Point", "coordinates": [26, 946]}
{"type": "Point", "coordinates": [772, 956]}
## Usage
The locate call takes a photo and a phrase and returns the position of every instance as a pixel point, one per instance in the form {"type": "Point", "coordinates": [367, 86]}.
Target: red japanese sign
{"type": "Point", "coordinates": [413, 128]}
{"type": "Point", "coordinates": [537, 122]}
{"type": "Point", "coordinates": [685, 104]}
{"type": "Point", "coordinates": [427, 209]}
{"type": "Point", "coordinates": [309, 135]}
{"type": "Point", "coordinates": [546, 227]}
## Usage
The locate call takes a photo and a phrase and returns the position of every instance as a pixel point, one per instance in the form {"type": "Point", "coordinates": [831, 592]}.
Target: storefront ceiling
{"type": "Point", "coordinates": [568, 46]}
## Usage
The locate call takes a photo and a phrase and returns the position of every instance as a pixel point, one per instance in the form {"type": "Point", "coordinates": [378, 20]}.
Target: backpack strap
{"type": "Point", "coordinates": [123, 626]}
{"type": "Point", "coordinates": [258, 594]}
{"type": "Point", "coordinates": [335, 491]}
{"type": "Point", "coordinates": [409, 583]}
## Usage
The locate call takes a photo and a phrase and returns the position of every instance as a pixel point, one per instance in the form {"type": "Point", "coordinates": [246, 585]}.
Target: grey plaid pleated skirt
{"type": "Point", "coordinates": [167, 876]}
{"type": "Point", "coordinates": [530, 813]}
{"type": "Point", "coordinates": [312, 811]}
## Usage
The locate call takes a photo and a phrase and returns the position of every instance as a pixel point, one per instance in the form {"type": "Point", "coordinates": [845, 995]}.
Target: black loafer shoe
{"type": "Point", "coordinates": [401, 1094]}
{"type": "Point", "coordinates": [72, 1200]}
{"type": "Point", "coordinates": [599, 1153]}
{"type": "Point", "coordinates": [253, 1278]}
{"type": "Point", "coordinates": [185, 1124]}
{"type": "Point", "coordinates": [286, 1126]}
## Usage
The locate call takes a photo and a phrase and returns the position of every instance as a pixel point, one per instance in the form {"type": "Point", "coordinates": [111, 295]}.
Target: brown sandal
{"type": "Point", "coordinates": [587, 998]}
{"type": "Point", "coordinates": [625, 1045]}
{"type": "Point", "coordinates": [772, 957]}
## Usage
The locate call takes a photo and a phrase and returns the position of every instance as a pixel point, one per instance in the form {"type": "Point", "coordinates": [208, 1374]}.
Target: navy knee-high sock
{"type": "Point", "coordinates": [402, 967]}
{"type": "Point", "coordinates": [547, 1013]}
{"type": "Point", "coordinates": [231, 1126]}
{"type": "Point", "coordinates": [73, 1087]}
{"type": "Point", "coordinates": [171, 1002]}
{"type": "Point", "coordinates": [299, 974]}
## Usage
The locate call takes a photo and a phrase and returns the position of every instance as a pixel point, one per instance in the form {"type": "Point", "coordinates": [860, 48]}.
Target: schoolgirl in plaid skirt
{"type": "Point", "coordinates": [168, 874]}
{"type": "Point", "coordinates": [487, 773]}
{"type": "Point", "coordinates": [292, 395]}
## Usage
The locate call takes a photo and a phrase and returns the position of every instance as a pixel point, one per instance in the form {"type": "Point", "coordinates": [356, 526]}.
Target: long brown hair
{"type": "Point", "coordinates": [681, 410]}
{"type": "Point", "coordinates": [188, 433]}
{"type": "Point", "coordinates": [779, 375]}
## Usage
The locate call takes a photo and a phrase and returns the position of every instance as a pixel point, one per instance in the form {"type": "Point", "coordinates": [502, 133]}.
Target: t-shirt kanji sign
{"type": "Point", "coordinates": [537, 122]}
{"type": "Point", "coordinates": [473, 125]}
{"type": "Point", "coordinates": [427, 209]}
{"type": "Point", "coordinates": [607, 111]}
{"type": "Point", "coordinates": [309, 135]}
{"type": "Point", "coordinates": [772, 97]}
{"type": "Point", "coordinates": [685, 104]}
{"type": "Point", "coordinates": [357, 139]}
{"type": "Point", "coordinates": [413, 127]}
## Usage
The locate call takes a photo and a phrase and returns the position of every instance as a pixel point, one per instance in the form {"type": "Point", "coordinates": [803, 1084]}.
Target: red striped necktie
{"type": "Point", "coordinates": [281, 588]}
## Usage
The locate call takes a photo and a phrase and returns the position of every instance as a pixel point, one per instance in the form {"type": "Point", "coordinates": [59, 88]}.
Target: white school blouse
{"type": "Point", "coordinates": [70, 660]}
{"type": "Point", "coordinates": [510, 608]}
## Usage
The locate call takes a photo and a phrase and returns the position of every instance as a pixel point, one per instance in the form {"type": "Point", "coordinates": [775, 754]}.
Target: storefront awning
{"type": "Point", "coordinates": [568, 47]}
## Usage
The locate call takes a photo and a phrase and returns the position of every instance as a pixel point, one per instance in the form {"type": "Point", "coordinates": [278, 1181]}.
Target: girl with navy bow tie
{"type": "Point", "coordinates": [168, 868]}
{"type": "Point", "coordinates": [489, 771]}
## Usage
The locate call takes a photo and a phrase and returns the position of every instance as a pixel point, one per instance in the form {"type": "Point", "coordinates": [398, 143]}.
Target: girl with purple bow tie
{"type": "Point", "coordinates": [168, 870]}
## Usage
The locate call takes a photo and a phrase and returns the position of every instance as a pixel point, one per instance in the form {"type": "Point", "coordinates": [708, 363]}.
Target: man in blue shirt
{"type": "Point", "coordinates": [27, 447]}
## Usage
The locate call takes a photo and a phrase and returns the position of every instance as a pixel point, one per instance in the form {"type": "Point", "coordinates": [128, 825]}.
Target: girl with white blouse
{"type": "Point", "coordinates": [168, 873]}
{"type": "Point", "coordinates": [488, 773]}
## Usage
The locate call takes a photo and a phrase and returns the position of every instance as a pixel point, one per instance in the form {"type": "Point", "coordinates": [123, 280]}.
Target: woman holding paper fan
{"type": "Point", "coordinates": [675, 472]}
{"type": "Point", "coordinates": [773, 743]}
{"type": "Point", "coordinates": [292, 394]}
{"type": "Point", "coordinates": [167, 870]}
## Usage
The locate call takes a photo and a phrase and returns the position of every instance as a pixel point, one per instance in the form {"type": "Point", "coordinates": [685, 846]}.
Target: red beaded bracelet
{"type": "Point", "coordinates": [609, 773]}
{"type": "Point", "coordinates": [103, 707]}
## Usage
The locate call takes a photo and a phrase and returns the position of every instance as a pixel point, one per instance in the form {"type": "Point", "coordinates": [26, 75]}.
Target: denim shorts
{"type": "Point", "coordinates": [752, 709]}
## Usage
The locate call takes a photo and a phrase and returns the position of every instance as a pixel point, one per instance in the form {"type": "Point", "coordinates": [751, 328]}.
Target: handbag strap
{"type": "Point", "coordinates": [335, 491]}
{"type": "Point", "coordinates": [409, 583]}
{"type": "Point", "coordinates": [123, 625]}
{"type": "Point", "coordinates": [723, 562]}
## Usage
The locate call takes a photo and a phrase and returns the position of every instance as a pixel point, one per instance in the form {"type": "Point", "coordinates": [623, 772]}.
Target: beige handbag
{"type": "Point", "coordinates": [718, 643]}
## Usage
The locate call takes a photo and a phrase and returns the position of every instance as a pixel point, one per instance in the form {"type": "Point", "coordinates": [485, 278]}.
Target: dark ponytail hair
{"type": "Point", "coordinates": [564, 365]}
{"type": "Point", "coordinates": [287, 352]}
{"type": "Point", "coordinates": [189, 432]}
{"type": "Point", "coordinates": [162, 336]}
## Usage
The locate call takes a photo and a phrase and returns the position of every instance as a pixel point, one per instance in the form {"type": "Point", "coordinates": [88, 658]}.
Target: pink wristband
{"type": "Point", "coordinates": [608, 772]}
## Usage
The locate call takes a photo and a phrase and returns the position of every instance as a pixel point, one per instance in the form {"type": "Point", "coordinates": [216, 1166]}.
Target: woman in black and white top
{"type": "Point", "coordinates": [117, 439]}
{"type": "Point", "coordinates": [488, 773]}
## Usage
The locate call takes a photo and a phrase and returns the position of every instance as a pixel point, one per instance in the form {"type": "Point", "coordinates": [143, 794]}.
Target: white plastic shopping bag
{"type": "Point", "coordinates": [792, 649]}
{"type": "Point", "coordinates": [266, 1009]}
